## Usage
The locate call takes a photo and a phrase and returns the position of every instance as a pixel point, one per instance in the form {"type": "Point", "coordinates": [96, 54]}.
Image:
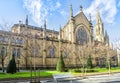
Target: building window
{"type": "Point", "coordinates": [14, 52]}
{"type": "Point", "coordinates": [2, 51]}
{"type": "Point", "coordinates": [36, 51]}
{"type": "Point", "coordinates": [17, 41]}
{"type": "Point", "coordinates": [81, 36]}
{"type": "Point", "coordinates": [6, 39]}
{"type": "Point", "coordinates": [65, 53]}
{"type": "Point", "coordinates": [52, 52]}
{"type": "Point", "coordinates": [1, 38]}
{"type": "Point", "coordinates": [18, 53]}
{"type": "Point", "coordinates": [13, 40]}
{"type": "Point", "coordinates": [21, 41]}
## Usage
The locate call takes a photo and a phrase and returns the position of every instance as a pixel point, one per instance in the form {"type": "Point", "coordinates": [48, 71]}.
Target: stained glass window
{"type": "Point", "coordinates": [81, 36]}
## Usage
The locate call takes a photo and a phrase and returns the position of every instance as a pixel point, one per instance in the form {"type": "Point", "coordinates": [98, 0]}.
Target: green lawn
{"type": "Point", "coordinates": [100, 71]}
{"type": "Point", "coordinates": [47, 73]}
{"type": "Point", "coordinates": [27, 74]}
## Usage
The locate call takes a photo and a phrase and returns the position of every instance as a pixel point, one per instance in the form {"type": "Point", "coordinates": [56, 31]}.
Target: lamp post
{"type": "Point", "coordinates": [34, 63]}
{"type": "Point", "coordinates": [108, 58]}
{"type": "Point", "coordinates": [18, 58]}
{"type": "Point", "coordinates": [18, 64]}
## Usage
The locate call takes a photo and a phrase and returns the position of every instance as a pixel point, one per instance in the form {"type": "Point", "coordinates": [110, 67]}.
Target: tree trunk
{"type": "Point", "coordinates": [2, 64]}
{"type": "Point", "coordinates": [26, 64]}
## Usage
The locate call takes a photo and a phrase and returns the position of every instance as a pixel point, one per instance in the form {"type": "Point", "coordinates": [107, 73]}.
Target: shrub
{"type": "Point", "coordinates": [79, 70]}
{"type": "Point", "coordinates": [11, 68]}
{"type": "Point", "coordinates": [60, 64]}
{"type": "Point", "coordinates": [89, 62]}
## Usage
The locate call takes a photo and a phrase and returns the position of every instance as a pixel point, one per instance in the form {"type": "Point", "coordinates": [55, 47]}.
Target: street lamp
{"type": "Point", "coordinates": [18, 58]}
{"type": "Point", "coordinates": [108, 58]}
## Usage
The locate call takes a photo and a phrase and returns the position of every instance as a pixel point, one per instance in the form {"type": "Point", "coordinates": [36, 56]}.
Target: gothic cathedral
{"type": "Point", "coordinates": [41, 46]}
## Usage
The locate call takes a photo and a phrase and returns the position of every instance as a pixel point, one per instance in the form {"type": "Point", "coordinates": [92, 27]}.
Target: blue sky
{"type": "Point", "coordinates": [56, 12]}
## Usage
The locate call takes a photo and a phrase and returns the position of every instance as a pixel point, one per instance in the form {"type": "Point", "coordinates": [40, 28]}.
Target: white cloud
{"type": "Point", "coordinates": [34, 8]}
{"type": "Point", "coordinates": [58, 4]}
{"type": "Point", "coordinates": [107, 9]}
{"type": "Point", "coordinates": [40, 9]}
{"type": "Point", "coordinates": [63, 13]}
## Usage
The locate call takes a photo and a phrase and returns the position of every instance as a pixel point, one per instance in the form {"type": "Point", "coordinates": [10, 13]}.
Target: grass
{"type": "Point", "coordinates": [100, 71]}
{"type": "Point", "coordinates": [27, 74]}
{"type": "Point", "coordinates": [47, 73]}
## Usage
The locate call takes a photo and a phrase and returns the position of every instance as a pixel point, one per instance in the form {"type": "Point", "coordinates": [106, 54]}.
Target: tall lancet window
{"type": "Point", "coordinates": [3, 51]}
{"type": "Point", "coordinates": [14, 52]}
{"type": "Point", "coordinates": [13, 40]}
{"type": "Point", "coordinates": [65, 53]}
{"type": "Point", "coordinates": [52, 52]}
{"type": "Point", "coordinates": [81, 36]}
{"type": "Point", "coordinates": [18, 53]}
{"type": "Point", "coordinates": [1, 38]}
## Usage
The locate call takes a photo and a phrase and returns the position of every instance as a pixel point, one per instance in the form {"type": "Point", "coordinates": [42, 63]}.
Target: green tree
{"type": "Point", "coordinates": [89, 62]}
{"type": "Point", "coordinates": [11, 68]}
{"type": "Point", "coordinates": [60, 64]}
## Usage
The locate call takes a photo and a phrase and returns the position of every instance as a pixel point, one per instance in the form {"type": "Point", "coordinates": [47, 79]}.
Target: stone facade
{"type": "Point", "coordinates": [41, 47]}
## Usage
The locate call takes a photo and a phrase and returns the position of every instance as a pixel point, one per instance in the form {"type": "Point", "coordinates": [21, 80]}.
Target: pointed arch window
{"type": "Point", "coordinates": [36, 51]}
{"type": "Point", "coordinates": [18, 53]}
{"type": "Point", "coordinates": [52, 52]}
{"type": "Point", "coordinates": [3, 51]}
{"type": "Point", "coordinates": [17, 40]}
{"type": "Point", "coordinates": [21, 41]}
{"type": "Point", "coordinates": [14, 52]}
{"type": "Point", "coordinates": [81, 36]}
{"type": "Point", "coordinates": [1, 38]}
{"type": "Point", "coordinates": [13, 40]}
{"type": "Point", "coordinates": [65, 53]}
{"type": "Point", "coordinates": [6, 39]}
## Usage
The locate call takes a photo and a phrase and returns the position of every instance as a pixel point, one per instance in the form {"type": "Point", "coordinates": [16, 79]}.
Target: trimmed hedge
{"type": "Point", "coordinates": [11, 68]}
{"type": "Point", "coordinates": [60, 64]}
{"type": "Point", "coordinates": [80, 70]}
{"type": "Point", "coordinates": [89, 62]}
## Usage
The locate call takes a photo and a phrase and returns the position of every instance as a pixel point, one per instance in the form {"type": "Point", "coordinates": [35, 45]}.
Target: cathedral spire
{"type": "Point", "coordinates": [71, 11]}
{"type": "Point", "coordinates": [106, 38]}
{"type": "Point", "coordinates": [45, 23]}
{"type": "Point", "coordinates": [53, 33]}
{"type": "Point", "coordinates": [92, 35]}
{"type": "Point", "coordinates": [90, 17]}
{"type": "Point", "coordinates": [60, 32]}
{"type": "Point", "coordinates": [106, 33]}
{"type": "Point", "coordinates": [99, 28]}
{"type": "Point", "coordinates": [98, 18]}
{"type": "Point", "coordinates": [81, 8]}
{"type": "Point", "coordinates": [26, 21]}
{"type": "Point", "coordinates": [44, 29]}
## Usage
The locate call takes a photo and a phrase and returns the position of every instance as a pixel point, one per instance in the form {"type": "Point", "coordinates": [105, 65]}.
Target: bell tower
{"type": "Point", "coordinates": [99, 30]}
{"type": "Point", "coordinates": [71, 25]}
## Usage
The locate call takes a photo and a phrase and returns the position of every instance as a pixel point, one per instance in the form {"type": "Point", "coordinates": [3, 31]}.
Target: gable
{"type": "Point", "coordinates": [82, 19]}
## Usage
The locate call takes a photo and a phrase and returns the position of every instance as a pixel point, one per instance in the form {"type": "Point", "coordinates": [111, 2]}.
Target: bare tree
{"type": "Point", "coordinates": [5, 38]}
{"type": "Point", "coordinates": [4, 25]}
{"type": "Point", "coordinates": [83, 54]}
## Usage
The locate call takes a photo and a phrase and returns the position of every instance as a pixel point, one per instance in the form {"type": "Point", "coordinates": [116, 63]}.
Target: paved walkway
{"type": "Point", "coordinates": [113, 78]}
